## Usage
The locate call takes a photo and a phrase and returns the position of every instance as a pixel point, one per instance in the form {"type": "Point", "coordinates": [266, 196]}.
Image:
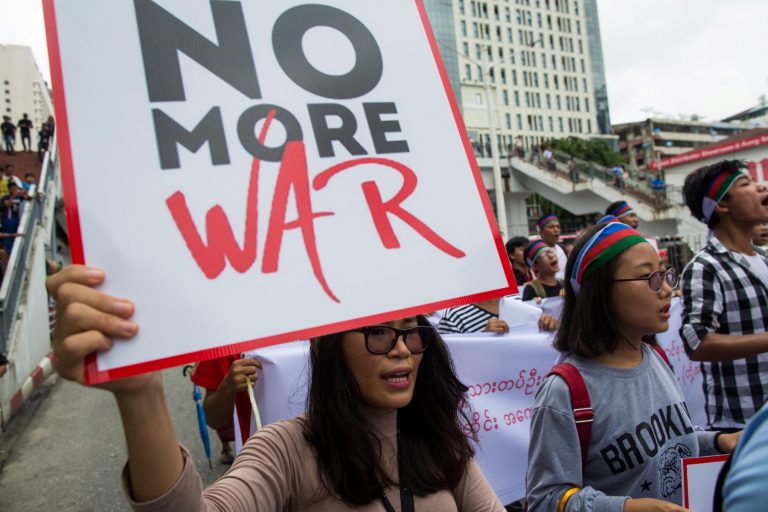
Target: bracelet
{"type": "Point", "coordinates": [717, 446]}
{"type": "Point", "coordinates": [564, 500]}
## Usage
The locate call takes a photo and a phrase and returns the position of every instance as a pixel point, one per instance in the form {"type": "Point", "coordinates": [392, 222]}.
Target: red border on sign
{"type": "Point", "coordinates": [693, 461]}
{"type": "Point", "coordinates": [94, 376]}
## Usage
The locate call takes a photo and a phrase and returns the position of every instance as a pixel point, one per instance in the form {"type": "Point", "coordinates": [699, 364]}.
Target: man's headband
{"type": "Point", "coordinates": [717, 191]}
{"type": "Point", "coordinates": [545, 220]}
{"type": "Point", "coordinates": [621, 210]}
{"type": "Point", "coordinates": [604, 246]}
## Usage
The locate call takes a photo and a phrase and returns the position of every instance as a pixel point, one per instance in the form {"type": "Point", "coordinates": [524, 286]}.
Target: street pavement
{"type": "Point", "coordinates": [65, 449]}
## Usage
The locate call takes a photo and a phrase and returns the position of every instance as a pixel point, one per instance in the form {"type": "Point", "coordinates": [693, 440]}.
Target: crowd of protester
{"type": "Point", "coordinates": [385, 410]}
{"type": "Point", "coordinates": [23, 128]}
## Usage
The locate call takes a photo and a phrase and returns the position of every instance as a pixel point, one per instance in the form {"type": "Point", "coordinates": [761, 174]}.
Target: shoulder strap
{"type": "Point", "coordinates": [582, 407]}
{"type": "Point", "coordinates": [662, 353]}
{"type": "Point", "coordinates": [538, 288]}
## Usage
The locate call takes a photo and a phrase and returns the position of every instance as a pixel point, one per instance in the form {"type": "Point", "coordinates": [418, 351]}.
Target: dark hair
{"type": "Point", "coordinates": [515, 242]}
{"type": "Point", "coordinates": [433, 450]}
{"type": "Point", "coordinates": [588, 325]}
{"type": "Point", "coordinates": [697, 183]}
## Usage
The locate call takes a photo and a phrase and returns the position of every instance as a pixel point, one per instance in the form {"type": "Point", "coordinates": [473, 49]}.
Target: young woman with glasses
{"type": "Point", "coordinates": [382, 430]}
{"type": "Point", "coordinates": [617, 292]}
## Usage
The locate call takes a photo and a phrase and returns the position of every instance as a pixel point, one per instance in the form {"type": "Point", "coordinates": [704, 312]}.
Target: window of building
{"type": "Point", "coordinates": [589, 126]}
{"type": "Point", "coordinates": [560, 122]}
{"type": "Point", "coordinates": [517, 99]}
{"type": "Point", "coordinates": [466, 49]}
{"type": "Point", "coordinates": [514, 77]}
{"type": "Point", "coordinates": [578, 27]}
{"type": "Point", "coordinates": [554, 62]}
{"type": "Point", "coordinates": [581, 48]}
{"type": "Point", "coordinates": [463, 28]}
{"type": "Point", "coordinates": [528, 99]}
{"type": "Point", "coordinates": [584, 81]}
{"type": "Point", "coordinates": [478, 98]}
{"type": "Point", "coordinates": [468, 72]}
{"type": "Point", "coordinates": [549, 101]}
{"type": "Point", "coordinates": [557, 97]}
{"type": "Point", "coordinates": [461, 6]}
{"type": "Point", "coordinates": [508, 121]}
{"type": "Point", "coordinates": [476, 30]}
{"type": "Point", "coordinates": [586, 105]}
{"type": "Point", "coordinates": [519, 122]}
{"type": "Point", "coordinates": [510, 39]}
{"type": "Point", "coordinates": [507, 14]}
{"type": "Point", "coordinates": [480, 73]}
{"type": "Point", "coordinates": [505, 97]}
{"type": "Point", "coordinates": [551, 124]}
{"type": "Point", "coordinates": [474, 8]}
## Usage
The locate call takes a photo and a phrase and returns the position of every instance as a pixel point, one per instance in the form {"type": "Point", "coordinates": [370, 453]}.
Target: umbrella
{"type": "Point", "coordinates": [203, 427]}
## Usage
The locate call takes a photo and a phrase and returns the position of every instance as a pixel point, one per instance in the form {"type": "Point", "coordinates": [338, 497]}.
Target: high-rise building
{"type": "Point", "coordinates": [541, 61]}
{"type": "Point", "coordinates": [22, 88]}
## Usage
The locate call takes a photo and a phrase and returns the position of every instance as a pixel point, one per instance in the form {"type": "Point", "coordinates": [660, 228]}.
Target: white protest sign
{"type": "Point", "coordinates": [699, 481]}
{"type": "Point", "coordinates": [688, 372]}
{"type": "Point", "coordinates": [502, 373]}
{"type": "Point", "coordinates": [252, 172]}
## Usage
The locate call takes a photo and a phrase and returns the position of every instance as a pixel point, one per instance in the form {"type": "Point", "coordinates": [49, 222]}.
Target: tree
{"type": "Point", "coordinates": [593, 150]}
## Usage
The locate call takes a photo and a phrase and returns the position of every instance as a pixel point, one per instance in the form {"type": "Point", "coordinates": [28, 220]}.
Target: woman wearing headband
{"type": "Point", "coordinates": [374, 437]}
{"type": "Point", "coordinates": [617, 291]}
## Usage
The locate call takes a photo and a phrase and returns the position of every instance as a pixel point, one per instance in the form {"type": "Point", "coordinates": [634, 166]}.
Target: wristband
{"type": "Point", "coordinates": [717, 446]}
{"type": "Point", "coordinates": [564, 500]}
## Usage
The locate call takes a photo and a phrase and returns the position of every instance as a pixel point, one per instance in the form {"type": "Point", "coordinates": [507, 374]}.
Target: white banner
{"type": "Point", "coordinates": [502, 373]}
{"type": "Point", "coordinates": [264, 148]}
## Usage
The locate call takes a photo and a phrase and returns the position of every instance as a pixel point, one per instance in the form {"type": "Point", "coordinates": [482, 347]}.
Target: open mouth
{"type": "Point", "coordinates": [397, 377]}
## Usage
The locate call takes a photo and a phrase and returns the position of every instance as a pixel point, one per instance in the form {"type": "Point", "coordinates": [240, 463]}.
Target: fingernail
{"type": "Point", "coordinates": [121, 307]}
{"type": "Point", "coordinates": [128, 327]}
{"type": "Point", "coordinates": [94, 273]}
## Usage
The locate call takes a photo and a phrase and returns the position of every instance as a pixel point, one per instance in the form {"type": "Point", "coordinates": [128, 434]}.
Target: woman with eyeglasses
{"type": "Point", "coordinates": [617, 292]}
{"type": "Point", "coordinates": [382, 430]}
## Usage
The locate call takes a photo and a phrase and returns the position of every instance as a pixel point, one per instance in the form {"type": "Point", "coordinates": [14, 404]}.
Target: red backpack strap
{"type": "Point", "coordinates": [582, 407]}
{"type": "Point", "coordinates": [662, 353]}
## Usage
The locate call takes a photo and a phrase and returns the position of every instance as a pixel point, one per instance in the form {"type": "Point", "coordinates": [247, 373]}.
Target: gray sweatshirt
{"type": "Point", "coordinates": [640, 432]}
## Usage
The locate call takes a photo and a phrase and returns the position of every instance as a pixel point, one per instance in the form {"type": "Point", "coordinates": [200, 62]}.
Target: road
{"type": "Point", "coordinates": [65, 449]}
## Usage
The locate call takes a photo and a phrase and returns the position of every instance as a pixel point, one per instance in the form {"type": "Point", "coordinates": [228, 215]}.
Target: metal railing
{"type": "Point", "coordinates": [635, 186]}
{"type": "Point", "coordinates": [16, 272]}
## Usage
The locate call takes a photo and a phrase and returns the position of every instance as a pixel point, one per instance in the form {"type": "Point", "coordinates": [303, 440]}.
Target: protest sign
{"type": "Point", "coordinates": [502, 373]}
{"type": "Point", "coordinates": [250, 172]}
{"type": "Point", "coordinates": [699, 481]}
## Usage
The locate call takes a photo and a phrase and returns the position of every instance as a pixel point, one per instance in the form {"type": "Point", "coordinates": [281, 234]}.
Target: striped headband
{"type": "Point", "coordinates": [608, 218]}
{"type": "Point", "coordinates": [621, 210]}
{"type": "Point", "coordinates": [546, 219]}
{"type": "Point", "coordinates": [535, 250]}
{"type": "Point", "coordinates": [716, 192]}
{"type": "Point", "coordinates": [604, 246]}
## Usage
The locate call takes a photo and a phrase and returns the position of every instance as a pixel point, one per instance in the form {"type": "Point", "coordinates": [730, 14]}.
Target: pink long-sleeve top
{"type": "Point", "coordinates": [277, 471]}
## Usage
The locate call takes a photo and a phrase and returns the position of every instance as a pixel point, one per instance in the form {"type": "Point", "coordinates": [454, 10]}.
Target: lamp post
{"type": "Point", "coordinates": [498, 184]}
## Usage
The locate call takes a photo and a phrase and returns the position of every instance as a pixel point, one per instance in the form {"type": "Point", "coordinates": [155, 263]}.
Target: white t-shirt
{"type": "Point", "coordinates": [758, 266]}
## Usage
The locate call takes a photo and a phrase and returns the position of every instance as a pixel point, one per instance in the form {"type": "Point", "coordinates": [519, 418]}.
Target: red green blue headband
{"type": "Point", "coordinates": [604, 246]}
{"type": "Point", "coordinates": [535, 250]}
{"type": "Point", "coordinates": [717, 191]}
{"type": "Point", "coordinates": [608, 218]}
{"type": "Point", "coordinates": [621, 210]}
{"type": "Point", "coordinates": [545, 220]}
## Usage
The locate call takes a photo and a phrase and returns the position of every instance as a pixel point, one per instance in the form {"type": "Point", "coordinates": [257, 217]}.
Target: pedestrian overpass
{"type": "Point", "coordinates": [591, 194]}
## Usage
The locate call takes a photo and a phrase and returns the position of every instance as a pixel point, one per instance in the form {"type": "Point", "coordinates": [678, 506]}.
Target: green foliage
{"type": "Point", "coordinates": [594, 150]}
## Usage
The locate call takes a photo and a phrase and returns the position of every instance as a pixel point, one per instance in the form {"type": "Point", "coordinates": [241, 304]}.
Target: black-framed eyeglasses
{"type": "Point", "coordinates": [657, 279]}
{"type": "Point", "coordinates": [381, 339]}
